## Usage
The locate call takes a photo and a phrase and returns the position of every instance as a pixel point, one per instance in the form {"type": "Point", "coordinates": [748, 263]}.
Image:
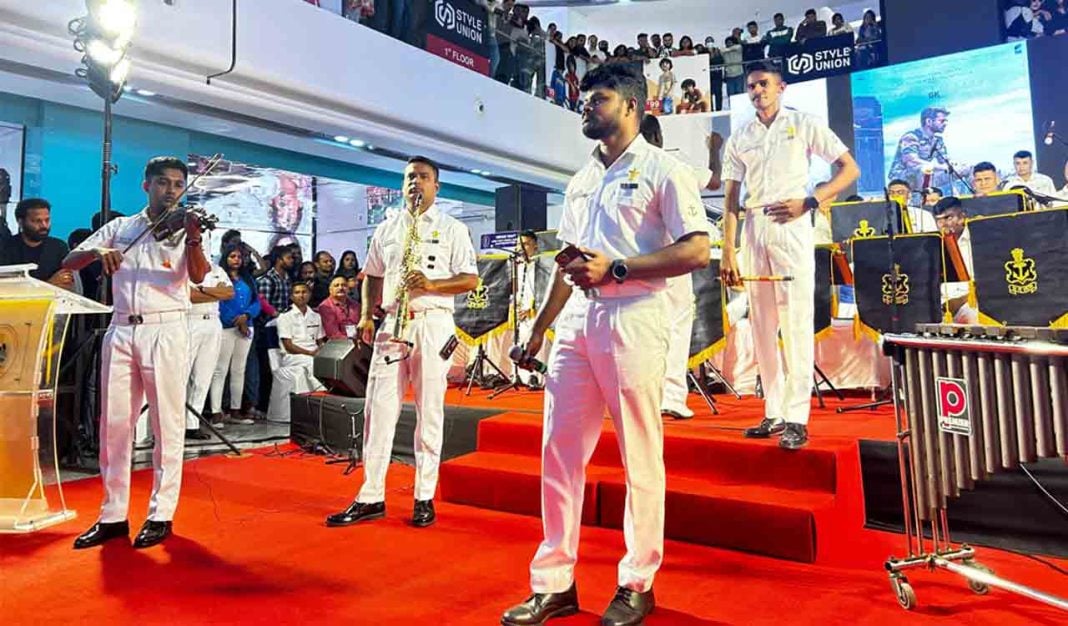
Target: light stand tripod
{"type": "Point", "coordinates": [514, 261]}
{"type": "Point", "coordinates": [478, 368]}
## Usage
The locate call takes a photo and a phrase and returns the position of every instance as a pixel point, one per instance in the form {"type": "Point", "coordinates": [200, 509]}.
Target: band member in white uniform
{"type": "Point", "coordinates": [205, 336]}
{"type": "Point", "coordinates": [527, 277]}
{"type": "Point", "coordinates": [444, 266]}
{"type": "Point", "coordinates": [951, 217]}
{"type": "Point", "coordinates": [771, 156]}
{"type": "Point", "coordinates": [148, 335]}
{"type": "Point", "coordinates": [680, 288]}
{"type": "Point", "coordinates": [634, 212]}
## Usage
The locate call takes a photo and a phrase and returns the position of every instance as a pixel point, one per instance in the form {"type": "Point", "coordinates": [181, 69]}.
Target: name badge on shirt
{"type": "Point", "coordinates": [350, 331]}
{"type": "Point", "coordinates": [628, 187]}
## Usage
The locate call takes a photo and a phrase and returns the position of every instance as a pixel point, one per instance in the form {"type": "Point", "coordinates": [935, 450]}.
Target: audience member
{"type": "Point", "coordinates": [752, 43]}
{"type": "Point", "coordinates": [307, 274]}
{"type": "Point", "coordinates": [733, 69]}
{"type": "Point", "coordinates": [255, 263]}
{"type": "Point", "coordinates": [1021, 21]}
{"type": "Point", "coordinates": [300, 330]}
{"type": "Point", "coordinates": [685, 47]}
{"type": "Point", "coordinates": [237, 315]}
{"type": "Point", "coordinates": [340, 313]}
{"type": "Point", "coordinates": [33, 244]}
{"type": "Point", "coordinates": [668, 49]}
{"type": "Point", "coordinates": [811, 27]}
{"type": "Point", "coordinates": [324, 272]}
{"type": "Point", "coordinates": [655, 44]}
{"type": "Point", "coordinates": [274, 284]}
{"type": "Point", "coordinates": [779, 37]}
{"type": "Point", "coordinates": [870, 40]}
{"type": "Point", "coordinates": [5, 199]}
{"type": "Point", "coordinates": [644, 49]}
{"type": "Point", "coordinates": [715, 72]}
{"type": "Point", "coordinates": [573, 80]}
{"type": "Point", "coordinates": [840, 26]}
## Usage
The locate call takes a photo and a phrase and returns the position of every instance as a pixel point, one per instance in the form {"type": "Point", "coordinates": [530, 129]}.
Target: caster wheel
{"type": "Point", "coordinates": [906, 597]}
{"type": "Point", "coordinates": [977, 587]}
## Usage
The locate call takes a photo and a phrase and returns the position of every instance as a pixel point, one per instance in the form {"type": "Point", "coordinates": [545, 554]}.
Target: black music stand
{"type": "Point", "coordinates": [516, 382]}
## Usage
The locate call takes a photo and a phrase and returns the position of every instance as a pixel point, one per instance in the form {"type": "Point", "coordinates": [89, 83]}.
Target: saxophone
{"type": "Point", "coordinates": [409, 263]}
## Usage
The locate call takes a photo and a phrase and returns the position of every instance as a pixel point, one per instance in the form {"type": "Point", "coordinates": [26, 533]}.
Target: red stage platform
{"type": "Point", "coordinates": [251, 547]}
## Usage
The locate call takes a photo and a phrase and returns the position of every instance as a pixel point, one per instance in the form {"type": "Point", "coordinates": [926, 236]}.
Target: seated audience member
{"type": "Point", "coordinates": [340, 313]}
{"type": "Point", "coordinates": [985, 179]}
{"type": "Point", "coordinates": [950, 216]}
{"type": "Point", "coordinates": [300, 331]}
{"type": "Point", "coordinates": [921, 219]}
{"type": "Point", "coordinates": [1026, 176]}
{"type": "Point", "coordinates": [811, 27]}
{"type": "Point", "coordinates": [33, 244]}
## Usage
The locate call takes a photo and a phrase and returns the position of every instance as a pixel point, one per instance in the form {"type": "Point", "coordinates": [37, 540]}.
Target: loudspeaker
{"type": "Point", "coordinates": [343, 367]}
{"type": "Point", "coordinates": [519, 208]}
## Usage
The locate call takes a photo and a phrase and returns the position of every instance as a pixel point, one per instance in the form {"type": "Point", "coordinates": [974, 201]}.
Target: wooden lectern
{"type": "Point", "coordinates": [33, 325]}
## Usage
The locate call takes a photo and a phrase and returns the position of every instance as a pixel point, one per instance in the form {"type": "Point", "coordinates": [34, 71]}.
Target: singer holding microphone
{"type": "Point", "coordinates": [771, 156]}
{"type": "Point", "coordinates": [440, 264]}
{"type": "Point", "coordinates": [632, 218]}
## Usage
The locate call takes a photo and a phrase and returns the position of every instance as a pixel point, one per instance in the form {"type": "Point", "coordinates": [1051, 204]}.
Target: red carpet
{"type": "Point", "coordinates": [251, 548]}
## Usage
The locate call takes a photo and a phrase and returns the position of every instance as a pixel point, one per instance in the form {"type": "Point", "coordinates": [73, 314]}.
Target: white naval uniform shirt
{"type": "Point", "coordinates": [445, 251]}
{"type": "Point", "coordinates": [152, 277]}
{"type": "Point", "coordinates": [215, 278]}
{"type": "Point", "coordinates": [645, 200]}
{"type": "Point", "coordinates": [923, 221]}
{"type": "Point", "coordinates": [1039, 183]}
{"type": "Point", "coordinates": [303, 329]}
{"type": "Point", "coordinates": [774, 161]}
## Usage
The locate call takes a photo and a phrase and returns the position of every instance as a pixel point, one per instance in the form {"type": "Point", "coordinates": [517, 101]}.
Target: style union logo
{"type": "Point", "coordinates": [801, 63]}
{"type": "Point", "coordinates": [445, 14]}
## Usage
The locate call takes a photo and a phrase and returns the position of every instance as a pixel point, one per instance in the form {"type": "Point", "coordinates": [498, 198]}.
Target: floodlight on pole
{"type": "Point", "coordinates": [104, 36]}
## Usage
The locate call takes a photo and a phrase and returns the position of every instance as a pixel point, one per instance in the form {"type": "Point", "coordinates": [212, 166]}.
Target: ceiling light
{"type": "Point", "coordinates": [358, 143]}
{"type": "Point", "coordinates": [146, 93]}
{"type": "Point", "coordinates": [341, 139]}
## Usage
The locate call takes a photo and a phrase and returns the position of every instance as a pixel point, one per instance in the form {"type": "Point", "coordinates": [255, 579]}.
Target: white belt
{"type": "Point", "coordinates": [424, 313]}
{"type": "Point", "coordinates": [126, 319]}
{"type": "Point", "coordinates": [203, 316]}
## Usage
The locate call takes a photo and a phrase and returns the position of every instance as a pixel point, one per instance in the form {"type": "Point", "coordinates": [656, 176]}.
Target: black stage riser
{"type": "Point", "coordinates": [332, 420]}
{"type": "Point", "coordinates": [1006, 510]}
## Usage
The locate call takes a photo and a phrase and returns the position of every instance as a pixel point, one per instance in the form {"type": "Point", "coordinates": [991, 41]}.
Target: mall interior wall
{"type": "Point", "coordinates": [920, 30]}
{"type": "Point", "coordinates": [62, 160]}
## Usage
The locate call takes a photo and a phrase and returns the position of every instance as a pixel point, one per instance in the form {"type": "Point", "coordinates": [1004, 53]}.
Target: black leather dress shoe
{"type": "Point", "coordinates": [423, 515]}
{"type": "Point", "coordinates": [540, 607]}
{"type": "Point", "coordinates": [194, 433]}
{"type": "Point", "coordinates": [794, 438]}
{"type": "Point", "coordinates": [628, 608]}
{"type": "Point", "coordinates": [152, 533]}
{"type": "Point", "coordinates": [358, 512]}
{"type": "Point", "coordinates": [766, 428]}
{"type": "Point", "coordinates": [101, 532]}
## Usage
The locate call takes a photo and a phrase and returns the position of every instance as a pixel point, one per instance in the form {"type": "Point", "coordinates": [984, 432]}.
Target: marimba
{"type": "Point", "coordinates": [976, 401]}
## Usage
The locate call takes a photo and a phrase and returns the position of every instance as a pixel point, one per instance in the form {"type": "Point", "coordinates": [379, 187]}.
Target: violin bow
{"type": "Point", "coordinates": [212, 163]}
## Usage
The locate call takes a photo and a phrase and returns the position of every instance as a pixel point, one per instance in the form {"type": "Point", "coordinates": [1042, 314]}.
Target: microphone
{"type": "Point", "coordinates": [528, 363]}
{"type": "Point", "coordinates": [1050, 133]}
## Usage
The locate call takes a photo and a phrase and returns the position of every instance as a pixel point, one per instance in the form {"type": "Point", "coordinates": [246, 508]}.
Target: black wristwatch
{"type": "Point", "coordinates": [811, 203]}
{"type": "Point", "coordinates": [619, 270]}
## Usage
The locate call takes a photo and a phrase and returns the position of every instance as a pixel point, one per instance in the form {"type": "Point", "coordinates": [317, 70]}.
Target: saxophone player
{"type": "Point", "coordinates": [419, 259]}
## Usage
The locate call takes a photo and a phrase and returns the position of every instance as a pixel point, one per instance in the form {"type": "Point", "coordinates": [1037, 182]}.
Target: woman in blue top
{"type": "Point", "coordinates": [236, 315]}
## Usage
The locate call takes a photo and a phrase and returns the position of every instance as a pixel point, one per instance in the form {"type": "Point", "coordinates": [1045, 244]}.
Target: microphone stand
{"type": "Point", "coordinates": [952, 171]}
{"type": "Point", "coordinates": [517, 382]}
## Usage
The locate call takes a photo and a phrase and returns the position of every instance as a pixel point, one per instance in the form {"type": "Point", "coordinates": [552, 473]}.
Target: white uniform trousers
{"type": "Point", "coordinates": [425, 370]}
{"type": "Point", "coordinates": [613, 358]}
{"type": "Point", "coordinates": [205, 337]}
{"type": "Point", "coordinates": [680, 307]}
{"type": "Point", "coordinates": [137, 366]}
{"type": "Point", "coordinates": [233, 355]}
{"type": "Point", "coordinates": [783, 249]}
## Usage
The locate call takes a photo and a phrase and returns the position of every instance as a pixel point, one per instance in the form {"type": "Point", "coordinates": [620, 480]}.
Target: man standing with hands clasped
{"type": "Point", "coordinates": [145, 352]}
{"type": "Point", "coordinates": [635, 214]}
{"type": "Point", "coordinates": [445, 266]}
{"type": "Point", "coordinates": [771, 156]}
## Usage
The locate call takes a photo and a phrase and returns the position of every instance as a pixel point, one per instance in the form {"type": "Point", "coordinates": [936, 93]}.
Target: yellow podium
{"type": "Point", "coordinates": [33, 324]}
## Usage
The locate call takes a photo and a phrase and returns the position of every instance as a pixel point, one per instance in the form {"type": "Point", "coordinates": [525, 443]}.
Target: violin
{"type": "Point", "coordinates": [172, 220]}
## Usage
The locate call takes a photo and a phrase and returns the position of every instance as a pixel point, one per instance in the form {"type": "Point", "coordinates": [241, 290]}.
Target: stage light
{"type": "Point", "coordinates": [341, 139]}
{"type": "Point", "coordinates": [104, 36]}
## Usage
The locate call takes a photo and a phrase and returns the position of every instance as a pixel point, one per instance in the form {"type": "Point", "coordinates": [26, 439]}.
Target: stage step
{"type": "Point", "coordinates": [776, 522]}
{"type": "Point", "coordinates": [705, 452]}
